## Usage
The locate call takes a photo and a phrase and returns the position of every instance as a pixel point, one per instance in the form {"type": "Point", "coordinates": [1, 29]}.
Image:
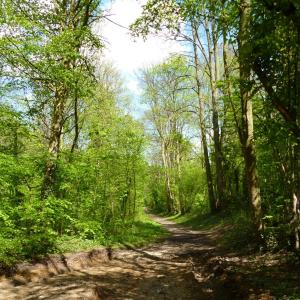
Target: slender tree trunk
{"type": "Point", "coordinates": [134, 192]}
{"type": "Point", "coordinates": [228, 93]}
{"type": "Point", "coordinates": [76, 125]}
{"type": "Point", "coordinates": [213, 69]}
{"type": "Point", "coordinates": [210, 189]}
{"type": "Point", "coordinates": [296, 155]}
{"type": "Point", "coordinates": [294, 180]}
{"type": "Point", "coordinates": [169, 194]}
{"type": "Point", "coordinates": [247, 116]}
{"type": "Point", "coordinates": [54, 144]}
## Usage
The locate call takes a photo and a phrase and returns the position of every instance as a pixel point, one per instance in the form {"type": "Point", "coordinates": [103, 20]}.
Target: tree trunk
{"type": "Point", "coordinates": [247, 116]}
{"type": "Point", "coordinates": [169, 194]}
{"type": "Point", "coordinates": [295, 192]}
{"type": "Point", "coordinates": [76, 125]}
{"type": "Point", "coordinates": [228, 92]}
{"type": "Point", "coordinates": [213, 76]}
{"type": "Point", "coordinates": [54, 144]}
{"type": "Point", "coordinates": [296, 157]}
{"type": "Point", "coordinates": [210, 189]}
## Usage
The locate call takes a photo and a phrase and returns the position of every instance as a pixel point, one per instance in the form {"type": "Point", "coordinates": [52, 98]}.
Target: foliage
{"type": "Point", "coordinates": [220, 132]}
{"type": "Point", "coordinates": [255, 112]}
{"type": "Point", "coordinates": [99, 191]}
{"type": "Point", "coordinates": [70, 160]}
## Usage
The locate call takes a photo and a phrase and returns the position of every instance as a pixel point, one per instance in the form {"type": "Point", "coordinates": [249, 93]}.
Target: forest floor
{"type": "Point", "coordinates": [188, 264]}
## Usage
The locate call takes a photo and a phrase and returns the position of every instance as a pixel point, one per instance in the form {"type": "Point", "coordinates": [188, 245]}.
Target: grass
{"type": "Point", "coordinates": [144, 231]}
{"type": "Point", "coordinates": [200, 221]}
{"type": "Point", "coordinates": [141, 232]}
{"type": "Point", "coordinates": [138, 233]}
{"type": "Point", "coordinates": [265, 271]}
{"type": "Point", "coordinates": [239, 232]}
{"type": "Point", "coordinates": [66, 244]}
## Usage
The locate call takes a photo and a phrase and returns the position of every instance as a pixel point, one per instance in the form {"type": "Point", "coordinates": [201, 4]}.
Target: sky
{"type": "Point", "coordinates": [129, 55]}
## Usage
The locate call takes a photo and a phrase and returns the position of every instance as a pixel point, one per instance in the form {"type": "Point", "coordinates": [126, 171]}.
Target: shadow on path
{"type": "Point", "coordinates": [186, 265]}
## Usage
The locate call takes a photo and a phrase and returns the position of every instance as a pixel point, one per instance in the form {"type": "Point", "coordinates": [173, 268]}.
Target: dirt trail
{"type": "Point", "coordinates": [185, 265]}
{"type": "Point", "coordinates": [163, 270]}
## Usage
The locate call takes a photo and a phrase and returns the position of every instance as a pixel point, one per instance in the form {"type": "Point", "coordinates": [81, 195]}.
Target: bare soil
{"type": "Point", "coordinates": [186, 265]}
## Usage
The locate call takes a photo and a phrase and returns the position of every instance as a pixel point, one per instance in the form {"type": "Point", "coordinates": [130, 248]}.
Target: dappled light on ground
{"type": "Point", "coordinates": [186, 265]}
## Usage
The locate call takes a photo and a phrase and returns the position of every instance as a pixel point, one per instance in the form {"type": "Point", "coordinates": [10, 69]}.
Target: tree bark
{"type": "Point", "coordinates": [295, 191]}
{"type": "Point", "coordinates": [210, 189]}
{"type": "Point", "coordinates": [248, 145]}
{"type": "Point", "coordinates": [169, 194]}
{"type": "Point", "coordinates": [76, 126]}
{"type": "Point", "coordinates": [54, 143]}
{"type": "Point", "coordinates": [213, 77]}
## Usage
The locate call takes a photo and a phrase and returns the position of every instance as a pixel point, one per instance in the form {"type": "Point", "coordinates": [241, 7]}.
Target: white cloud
{"type": "Point", "coordinates": [133, 86]}
{"type": "Point", "coordinates": [129, 55]}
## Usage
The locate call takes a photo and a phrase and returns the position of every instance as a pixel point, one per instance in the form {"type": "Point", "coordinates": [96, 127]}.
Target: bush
{"type": "Point", "coordinates": [243, 234]}
{"type": "Point", "coordinates": [39, 244]}
{"type": "Point", "coordinates": [36, 220]}
{"type": "Point", "coordinates": [10, 253]}
{"type": "Point", "coordinates": [90, 230]}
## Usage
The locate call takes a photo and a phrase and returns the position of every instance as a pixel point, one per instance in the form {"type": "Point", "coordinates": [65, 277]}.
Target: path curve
{"type": "Point", "coordinates": [163, 270]}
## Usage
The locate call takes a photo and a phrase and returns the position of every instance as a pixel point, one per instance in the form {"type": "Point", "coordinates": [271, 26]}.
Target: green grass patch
{"type": "Point", "coordinates": [138, 233]}
{"type": "Point", "coordinates": [200, 221]}
{"type": "Point", "coordinates": [67, 244]}
{"type": "Point", "coordinates": [239, 232]}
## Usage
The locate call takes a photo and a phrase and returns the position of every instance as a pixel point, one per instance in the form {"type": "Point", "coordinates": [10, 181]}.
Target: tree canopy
{"type": "Point", "coordinates": [220, 132]}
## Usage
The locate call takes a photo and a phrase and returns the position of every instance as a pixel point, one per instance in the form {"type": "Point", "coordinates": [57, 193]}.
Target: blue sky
{"type": "Point", "coordinates": [127, 55]}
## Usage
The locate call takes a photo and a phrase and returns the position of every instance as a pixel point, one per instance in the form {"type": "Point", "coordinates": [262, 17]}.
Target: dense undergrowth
{"type": "Point", "coordinates": [238, 233]}
{"type": "Point", "coordinates": [77, 168]}
{"type": "Point", "coordinates": [253, 264]}
{"type": "Point", "coordinates": [237, 230]}
{"type": "Point", "coordinates": [138, 232]}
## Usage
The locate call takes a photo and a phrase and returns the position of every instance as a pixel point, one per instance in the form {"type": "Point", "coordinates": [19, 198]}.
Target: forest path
{"type": "Point", "coordinates": [181, 266]}
{"type": "Point", "coordinates": [163, 270]}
